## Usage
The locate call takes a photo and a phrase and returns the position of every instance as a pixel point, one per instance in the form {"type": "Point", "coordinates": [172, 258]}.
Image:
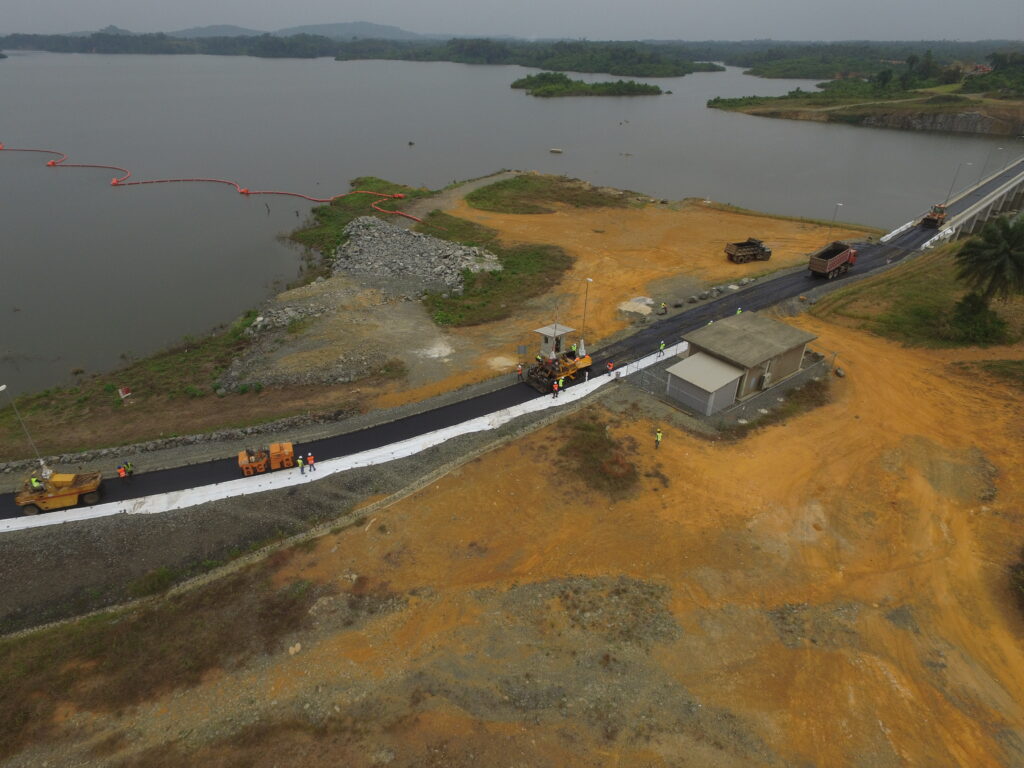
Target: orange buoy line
{"type": "Point", "coordinates": [122, 181]}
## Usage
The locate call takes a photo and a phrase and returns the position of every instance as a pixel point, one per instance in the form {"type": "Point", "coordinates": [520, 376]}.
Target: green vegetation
{"type": "Point", "coordinates": [592, 455]}
{"type": "Point", "coordinates": [548, 84]}
{"type": "Point", "coordinates": [1011, 371]}
{"type": "Point", "coordinates": [920, 303]}
{"type": "Point", "coordinates": [326, 232]}
{"type": "Point", "coordinates": [188, 370]}
{"type": "Point", "coordinates": [527, 271]}
{"type": "Point", "coordinates": [115, 660]}
{"type": "Point", "coordinates": [992, 262]}
{"type": "Point", "coordinates": [811, 395]}
{"type": "Point", "coordinates": [629, 59]}
{"type": "Point", "coordinates": [1005, 81]}
{"type": "Point", "coordinates": [528, 193]}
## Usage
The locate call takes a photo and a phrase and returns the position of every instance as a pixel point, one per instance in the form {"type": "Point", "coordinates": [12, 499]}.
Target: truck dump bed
{"type": "Point", "coordinates": [832, 260]}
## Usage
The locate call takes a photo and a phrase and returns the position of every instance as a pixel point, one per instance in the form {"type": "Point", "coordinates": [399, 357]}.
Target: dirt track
{"type": "Point", "coordinates": [828, 592]}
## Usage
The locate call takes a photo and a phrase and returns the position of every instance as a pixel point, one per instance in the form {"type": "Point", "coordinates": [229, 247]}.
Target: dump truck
{"type": "Point", "coordinates": [935, 218]}
{"type": "Point", "coordinates": [834, 259]}
{"type": "Point", "coordinates": [253, 461]}
{"type": "Point", "coordinates": [750, 249]}
{"type": "Point", "coordinates": [543, 374]}
{"type": "Point", "coordinates": [58, 491]}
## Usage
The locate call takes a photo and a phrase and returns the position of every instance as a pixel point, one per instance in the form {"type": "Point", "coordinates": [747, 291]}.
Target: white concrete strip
{"type": "Point", "coordinates": [243, 486]}
{"type": "Point", "coordinates": [940, 238]}
{"type": "Point", "coordinates": [895, 232]}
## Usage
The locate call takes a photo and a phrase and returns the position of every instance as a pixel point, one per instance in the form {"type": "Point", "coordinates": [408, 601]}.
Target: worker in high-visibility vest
{"type": "Point", "coordinates": [36, 484]}
{"type": "Point", "coordinates": [311, 462]}
{"type": "Point", "coordinates": [122, 472]}
{"type": "Point", "coordinates": [657, 438]}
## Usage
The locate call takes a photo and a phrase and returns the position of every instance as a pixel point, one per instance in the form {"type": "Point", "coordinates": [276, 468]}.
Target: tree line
{"type": "Point", "coordinates": [548, 84]}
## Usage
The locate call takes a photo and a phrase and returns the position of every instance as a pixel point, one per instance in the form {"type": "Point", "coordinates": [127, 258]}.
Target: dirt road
{"type": "Point", "coordinates": [827, 592]}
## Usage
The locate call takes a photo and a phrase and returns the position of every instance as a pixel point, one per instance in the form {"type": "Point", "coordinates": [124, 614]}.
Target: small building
{"type": "Point", "coordinates": [553, 340]}
{"type": "Point", "coordinates": [735, 358]}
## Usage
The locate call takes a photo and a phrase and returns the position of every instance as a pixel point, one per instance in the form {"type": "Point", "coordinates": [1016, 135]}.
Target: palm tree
{"type": "Point", "coordinates": [992, 263]}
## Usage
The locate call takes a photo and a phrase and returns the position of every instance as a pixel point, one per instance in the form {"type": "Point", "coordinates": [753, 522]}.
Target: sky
{"type": "Point", "coordinates": [591, 19]}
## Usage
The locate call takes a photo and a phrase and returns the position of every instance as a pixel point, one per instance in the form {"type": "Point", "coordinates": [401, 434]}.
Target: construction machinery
{"type": "Point", "coordinates": [935, 218]}
{"type": "Point", "coordinates": [556, 360]}
{"type": "Point", "coordinates": [750, 249]}
{"type": "Point", "coordinates": [253, 461]}
{"type": "Point", "coordinates": [833, 260]}
{"type": "Point", "coordinates": [57, 491]}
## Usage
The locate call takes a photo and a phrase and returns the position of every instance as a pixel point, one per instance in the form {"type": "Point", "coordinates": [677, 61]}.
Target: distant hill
{"type": "Point", "coordinates": [361, 29]}
{"type": "Point", "coordinates": [217, 30]}
{"type": "Point", "coordinates": [108, 30]}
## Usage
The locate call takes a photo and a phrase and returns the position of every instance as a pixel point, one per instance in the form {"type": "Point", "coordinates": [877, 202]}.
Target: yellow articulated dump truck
{"type": "Point", "coordinates": [58, 491]}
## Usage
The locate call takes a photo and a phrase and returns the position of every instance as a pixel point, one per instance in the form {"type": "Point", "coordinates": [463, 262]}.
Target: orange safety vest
{"type": "Point", "coordinates": [121, 472]}
{"type": "Point", "coordinates": [309, 459]}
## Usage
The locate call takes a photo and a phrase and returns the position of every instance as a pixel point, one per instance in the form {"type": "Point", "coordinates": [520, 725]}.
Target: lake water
{"type": "Point", "coordinates": [90, 273]}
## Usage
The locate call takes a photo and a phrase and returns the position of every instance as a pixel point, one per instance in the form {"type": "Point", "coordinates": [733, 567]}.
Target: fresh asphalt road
{"type": "Point", "coordinates": [644, 342]}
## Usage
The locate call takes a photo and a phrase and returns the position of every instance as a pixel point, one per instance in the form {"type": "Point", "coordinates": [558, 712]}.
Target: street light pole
{"type": "Point", "coordinates": [583, 330]}
{"type": "Point", "coordinates": [23, 427]}
{"type": "Point", "coordinates": [950, 193]}
{"type": "Point", "coordinates": [987, 158]}
{"type": "Point", "coordinates": [835, 212]}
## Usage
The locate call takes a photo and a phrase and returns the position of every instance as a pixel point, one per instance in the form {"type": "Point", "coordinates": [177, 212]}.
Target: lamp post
{"type": "Point", "coordinates": [583, 329]}
{"type": "Point", "coordinates": [835, 212]}
{"type": "Point", "coordinates": [23, 427]}
{"type": "Point", "coordinates": [987, 158]}
{"type": "Point", "coordinates": [949, 194]}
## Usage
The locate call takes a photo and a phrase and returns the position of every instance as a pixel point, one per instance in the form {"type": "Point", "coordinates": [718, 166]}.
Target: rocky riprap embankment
{"type": "Point", "coordinates": [381, 249]}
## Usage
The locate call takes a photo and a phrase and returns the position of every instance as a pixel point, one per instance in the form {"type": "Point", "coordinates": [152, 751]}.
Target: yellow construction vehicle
{"type": "Point", "coordinates": [256, 460]}
{"type": "Point", "coordinates": [556, 360]}
{"type": "Point", "coordinates": [935, 218]}
{"type": "Point", "coordinates": [58, 491]}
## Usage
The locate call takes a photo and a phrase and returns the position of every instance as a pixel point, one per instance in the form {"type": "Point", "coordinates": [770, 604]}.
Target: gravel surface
{"type": "Point", "coordinates": [381, 249]}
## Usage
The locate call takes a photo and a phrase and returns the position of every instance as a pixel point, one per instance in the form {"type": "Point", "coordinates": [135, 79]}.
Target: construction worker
{"type": "Point", "coordinates": [122, 472]}
{"type": "Point", "coordinates": [311, 462]}
{"type": "Point", "coordinates": [554, 390]}
{"type": "Point", "coordinates": [610, 365]}
{"type": "Point", "coordinates": [573, 350]}
{"type": "Point", "coordinates": [129, 468]}
{"type": "Point", "coordinates": [35, 483]}
{"type": "Point", "coordinates": [739, 310]}
{"type": "Point", "coordinates": [663, 309]}
{"type": "Point", "coordinates": [657, 439]}
{"type": "Point", "coordinates": [302, 464]}
{"type": "Point", "coordinates": [661, 349]}
{"type": "Point", "coordinates": [519, 371]}
{"type": "Point", "coordinates": [561, 383]}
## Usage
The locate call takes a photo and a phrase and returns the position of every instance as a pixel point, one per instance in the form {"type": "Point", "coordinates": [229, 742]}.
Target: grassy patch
{"type": "Point", "coordinates": [189, 370]}
{"type": "Point", "coordinates": [913, 303]}
{"type": "Point", "coordinates": [811, 395]}
{"type": "Point", "coordinates": [596, 458]}
{"type": "Point", "coordinates": [527, 271]}
{"type": "Point", "coordinates": [326, 232]}
{"type": "Point", "coordinates": [533, 193]}
{"type": "Point", "coordinates": [115, 660]}
{"type": "Point", "coordinates": [1010, 371]}
{"type": "Point", "coordinates": [153, 583]}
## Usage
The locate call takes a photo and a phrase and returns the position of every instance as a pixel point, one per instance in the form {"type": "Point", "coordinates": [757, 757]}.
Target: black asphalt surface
{"type": "Point", "coordinates": [640, 344]}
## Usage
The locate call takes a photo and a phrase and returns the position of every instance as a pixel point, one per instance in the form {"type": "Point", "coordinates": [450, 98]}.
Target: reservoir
{"type": "Point", "coordinates": [92, 274]}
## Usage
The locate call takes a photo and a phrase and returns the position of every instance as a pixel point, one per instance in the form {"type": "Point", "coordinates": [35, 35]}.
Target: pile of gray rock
{"type": "Point", "coordinates": [381, 249]}
{"type": "Point", "coordinates": [273, 318]}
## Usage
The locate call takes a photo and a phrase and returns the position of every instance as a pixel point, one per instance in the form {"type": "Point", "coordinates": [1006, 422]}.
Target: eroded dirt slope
{"type": "Point", "coordinates": [827, 592]}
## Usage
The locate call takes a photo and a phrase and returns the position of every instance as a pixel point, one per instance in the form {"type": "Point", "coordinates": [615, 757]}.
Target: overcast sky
{"type": "Point", "coordinates": [593, 19]}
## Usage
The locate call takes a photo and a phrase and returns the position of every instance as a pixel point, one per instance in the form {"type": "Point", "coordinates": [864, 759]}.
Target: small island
{"type": "Point", "coordinates": [548, 84]}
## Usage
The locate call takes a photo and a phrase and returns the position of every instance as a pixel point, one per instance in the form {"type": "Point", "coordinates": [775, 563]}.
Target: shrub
{"type": "Point", "coordinates": [973, 322]}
